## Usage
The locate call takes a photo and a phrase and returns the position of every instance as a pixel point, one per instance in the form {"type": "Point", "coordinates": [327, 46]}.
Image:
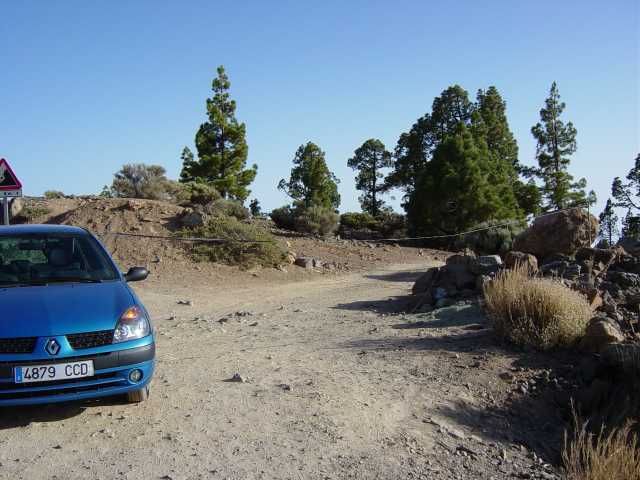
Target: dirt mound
{"type": "Point", "coordinates": [105, 217]}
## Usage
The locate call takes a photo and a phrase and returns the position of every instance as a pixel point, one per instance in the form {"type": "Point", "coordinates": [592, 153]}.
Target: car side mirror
{"type": "Point", "coordinates": [136, 274]}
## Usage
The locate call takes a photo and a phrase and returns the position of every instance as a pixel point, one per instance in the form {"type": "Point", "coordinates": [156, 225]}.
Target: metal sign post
{"type": "Point", "coordinates": [10, 186]}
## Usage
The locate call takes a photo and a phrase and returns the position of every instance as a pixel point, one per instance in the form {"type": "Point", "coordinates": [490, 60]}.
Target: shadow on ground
{"type": "Point", "coordinates": [22, 416]}
{"type": "Point", "coordinates": [409, 277]}
{"type": "Point", "coordinates": [535, 420]}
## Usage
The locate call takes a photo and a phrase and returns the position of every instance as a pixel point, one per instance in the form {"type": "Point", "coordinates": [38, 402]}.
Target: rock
{"type": "Point", "coordinates": [601, 332]}
{"type": "Point", "coordinates": [561, 232]}
{"type": "Point", "coordinates": [624, 279]}
{"type": "Point", "coordinates": [625, 357]}
{"type": "Point", "coordinates": [424, 281]}
{"type": "Point", "coordinates": [514, 258]}
{"type": "Point", "coordinates": [485, 264]}
{"type": "Point", "coordinates": [16, 207]}
{"type": "Point", "coordinates": [187, 303]}
{"type": "Point", "coordinates": [192, 218]}
{"type": "Point", "coordinates": [237, 378]}
{"type": "Point", "coordinates": [554, 269]}
{"type": "Point", "coordinates": [308, 262]}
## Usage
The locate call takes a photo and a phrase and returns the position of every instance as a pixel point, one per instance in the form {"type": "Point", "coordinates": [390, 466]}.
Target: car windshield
{"type": "Point", "coordinates": [36, 259]}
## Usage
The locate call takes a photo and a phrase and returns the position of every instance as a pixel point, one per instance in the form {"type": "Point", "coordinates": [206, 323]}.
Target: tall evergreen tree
{"type": "Point", "coordinates": [369, 160]}
{"type": "Point", "coordinates": [627, 195]}
{"type": "Point", "coordinates": [609, 223]}
{"type": "Point", "coordinates": [556, 143]}
{"type": "Point", "coordinates": [631, 226]}
{"type": "Point", "coordinates": [311, 183]}
{"type": "Point", "coordinates": [415, 148]}
{"type": "Point", "coordinates": [463, 185]}
{"type": "Point", "coordinates": [221, 145]}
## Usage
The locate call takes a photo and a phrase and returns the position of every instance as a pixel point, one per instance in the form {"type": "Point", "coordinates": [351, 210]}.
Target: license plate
{"type": "Point", "coordinates": [52, 372]}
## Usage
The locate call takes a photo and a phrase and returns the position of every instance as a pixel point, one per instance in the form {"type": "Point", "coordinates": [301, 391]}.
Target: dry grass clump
{"type": "Point", "coordinates": [606, 456]}
{"type": "Point", "coordinates": [537, 312]}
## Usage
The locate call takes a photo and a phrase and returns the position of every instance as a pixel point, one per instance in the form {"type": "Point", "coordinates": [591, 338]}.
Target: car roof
{"type": "Point", "coordinates": [40, 229]}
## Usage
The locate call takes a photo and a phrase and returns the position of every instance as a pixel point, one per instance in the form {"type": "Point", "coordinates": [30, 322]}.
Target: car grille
{"type": "Point", "coordinates": [17, 345]}
{"type": "Point", "coordinates": [79, 341]}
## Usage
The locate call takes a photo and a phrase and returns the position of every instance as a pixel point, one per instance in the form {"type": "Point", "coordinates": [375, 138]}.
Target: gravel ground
{"type": "Point", "coordinates": [336, 383]}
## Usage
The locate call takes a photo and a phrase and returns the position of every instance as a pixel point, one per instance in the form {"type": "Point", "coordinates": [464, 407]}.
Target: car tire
{"type": "Point", "coordinates": [138, 396]}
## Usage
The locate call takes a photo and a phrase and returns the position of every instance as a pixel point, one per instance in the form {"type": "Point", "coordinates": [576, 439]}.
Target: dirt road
{"type": "Point", "coordinates": [338, 385]}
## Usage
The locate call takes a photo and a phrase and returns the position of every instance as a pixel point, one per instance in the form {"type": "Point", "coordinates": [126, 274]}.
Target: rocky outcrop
{"type": "Point", "coordinates": [527, 260]}
{"type": "Point", "coordinates": [462, 277]}
{"type": "Point", "coordinates": [562, 232]}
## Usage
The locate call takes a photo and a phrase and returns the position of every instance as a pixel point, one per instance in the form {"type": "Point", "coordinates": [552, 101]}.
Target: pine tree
{"type": "Point", "coordinates": [255, 208]}
{"type": "Point", "coordinates": [609, 223]}
{"type": "Point", "coordinates": [631, 226]}
{"type": "Point", "coordinates": [222, 147]}
{"type": "Point", "coordinates": [415, 148]}
{"type": "Point", "coordinates": [311, 183]}
{"type": "Point", "coordinates": [463, 185]}
{"type": "Point", "coordinates": [556, 143]}
{"type": "Point", "coordinates": [627, 195]}
{"type": "Point", "coordinates": [369, 160]}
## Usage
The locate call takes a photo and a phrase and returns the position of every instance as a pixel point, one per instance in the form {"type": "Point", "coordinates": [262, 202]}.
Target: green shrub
{"type": "Point", "coordinates": [536, 312]}
{"type": "Point", "coordinates": [358, 221]}
{"type": "Point", "coordinates": [391, 224]}
{"type": "Point", "coordinates": [31, 212]}
{"type": "Point", "coordinates": [53, 194]}
{"type": "Point", "coordinates": [492, 241]}
{"type": "Point", "coordinates": [284, 217]}
{"type": "Point", "coordinates": [265, 252]}
{"type": "Point", "coordinates": [194, 193]}
{"type": "Point", "coordinates": [317, 220]}
{"type": "Point", "coordinates": [138, 180]}
{"type": "Point", "coordinates": [227, 208]}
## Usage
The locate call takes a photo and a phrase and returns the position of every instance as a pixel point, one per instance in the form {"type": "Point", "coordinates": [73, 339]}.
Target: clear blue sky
{"type": "Point", "coordinates": [89, 86]}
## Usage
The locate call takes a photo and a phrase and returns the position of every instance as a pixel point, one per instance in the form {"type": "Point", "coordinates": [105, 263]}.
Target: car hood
{"type": "Point", "coordinates": [61, 309]}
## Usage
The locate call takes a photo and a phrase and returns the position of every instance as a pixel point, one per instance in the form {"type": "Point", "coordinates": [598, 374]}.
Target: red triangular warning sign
{"type": "Point", "coordinates": [8, 179]}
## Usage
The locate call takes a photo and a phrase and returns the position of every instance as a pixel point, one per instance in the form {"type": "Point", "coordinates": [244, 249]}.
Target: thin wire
{"type": "Point", "coordinates": [404, 239]}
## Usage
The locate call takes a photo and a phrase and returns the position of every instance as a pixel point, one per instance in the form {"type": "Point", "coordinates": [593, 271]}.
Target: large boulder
{"type": "Point", "coordinates": [561, 232]}
{"type": "Point", "coordinates": [600, 333]}
{"type": "Point", "coordinates": [630, 245]}
{"type": "Point", "coordinates": [530, 262]}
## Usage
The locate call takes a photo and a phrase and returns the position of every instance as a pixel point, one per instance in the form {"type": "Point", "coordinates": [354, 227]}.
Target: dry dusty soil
{"type": "Point", "coordinates": [338, 383]}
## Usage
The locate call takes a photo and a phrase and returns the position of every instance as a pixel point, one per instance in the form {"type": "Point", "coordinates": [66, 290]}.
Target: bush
{"type": "Point", "coordinates": [265, 252]}
{"type": "Point", "coordinates": [358, 221]}
{"type": "Point", "coordinates": [53, 194]}
{"type": "Point", "coordinates": [607, 456]}
{"type": "Point", "coordinates": [492, 241]}
{"type": "Point", "coordinates": [317, 220]}
{"type": "Point", "coordinates": [227, 208]}
{"type": "Point", "coordinates": [536, 312]}
{"type": "Point", "coordinates": [284, 217]}
{"type": "Point", "coordinates": [194, 193]}
{"type": "Point", "coordinates": [391, 224]}
{"type": "Point", "coordinates": [141, 181]}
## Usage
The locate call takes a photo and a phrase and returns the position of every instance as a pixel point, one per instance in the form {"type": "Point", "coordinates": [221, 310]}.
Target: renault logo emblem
{"type": "Point", "coordinates": [52, 346]}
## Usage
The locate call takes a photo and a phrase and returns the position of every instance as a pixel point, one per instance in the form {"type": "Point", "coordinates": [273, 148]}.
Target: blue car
{"type": "Point", "coordinates": [70, 326]}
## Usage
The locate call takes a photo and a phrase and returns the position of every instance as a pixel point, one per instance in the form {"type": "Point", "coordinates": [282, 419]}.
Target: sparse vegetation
{"type": "Point", "coordinates": [195, 193]}
{"type": "Point", "coordinates": [229, 208]}
{"type": "Point", "coordinates": [537, 312]}
{"type": "Point", "coordinates": [284, 217]}
{"type": "Point", "coordinates": [358, 221]}
{"type": "Point", "coordinates": [137, 180]}
{"type": "Point", "coordinates": [254, 246]}
{"type": "Point", "coordinates": [31, 212]}
{"type": "Point", "coordinates": [317, 220]}
{"type": "Point", "coordinates": [490, 241]}
{"type": "Point", "coordinates": [53, 194]}
{"type": "Point", "coordinates": [606, 456]}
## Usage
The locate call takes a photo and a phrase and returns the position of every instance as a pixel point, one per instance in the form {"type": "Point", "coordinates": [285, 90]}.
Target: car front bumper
{"type": "Point", "coordinates": [111, 378]}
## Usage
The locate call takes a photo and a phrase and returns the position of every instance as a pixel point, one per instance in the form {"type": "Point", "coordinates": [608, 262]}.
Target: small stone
{"type": "Point", "coordinates": [187, 303]}
{"type": "Point", "coordinates": [237, 378]}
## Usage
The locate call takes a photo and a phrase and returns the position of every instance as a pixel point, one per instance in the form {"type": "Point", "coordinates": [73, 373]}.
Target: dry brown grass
{"type": "Point", "coordinates": [537, 312]}
{"type": "Point", "coordinates": [606, 456]}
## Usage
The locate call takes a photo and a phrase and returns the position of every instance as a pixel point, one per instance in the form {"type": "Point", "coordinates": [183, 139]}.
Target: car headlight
{"type": "Point", "coordinates": [133, 324]}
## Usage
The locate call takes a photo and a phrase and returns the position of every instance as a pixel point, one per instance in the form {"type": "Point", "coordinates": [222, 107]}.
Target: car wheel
{"type": "Point", "coordinates": [138, 396]}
